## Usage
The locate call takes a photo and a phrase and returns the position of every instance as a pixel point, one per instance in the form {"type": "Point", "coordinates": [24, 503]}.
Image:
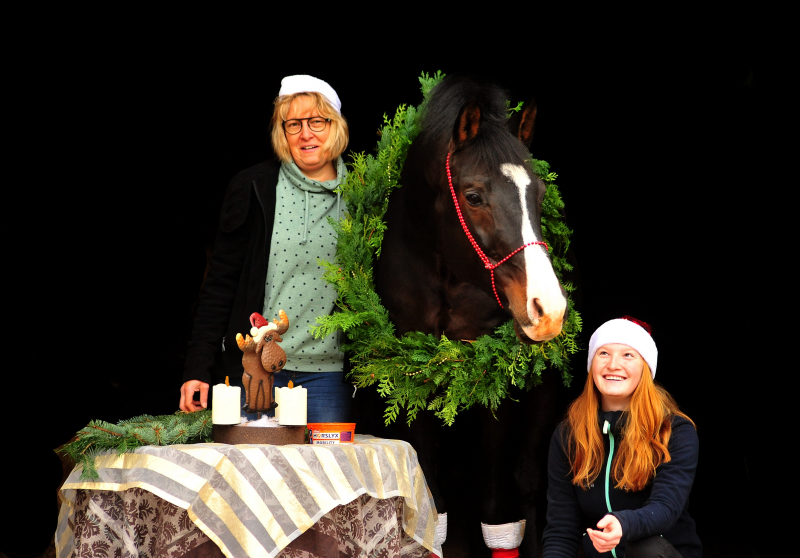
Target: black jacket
{"type": "Point", "coordinates": [234, 287]}
{"type": "Point", "coordinates": [661, 508]}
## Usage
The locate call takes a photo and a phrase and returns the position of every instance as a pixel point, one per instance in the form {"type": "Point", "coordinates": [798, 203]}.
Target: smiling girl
{"type": "Point", "coordinates": [623, 462]}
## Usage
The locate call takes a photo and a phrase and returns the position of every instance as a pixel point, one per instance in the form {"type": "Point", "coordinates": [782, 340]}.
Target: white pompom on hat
{"type": "Point", "coordinates": [628, 332]}
{"type": "Point", "coordinates": [301, 84]}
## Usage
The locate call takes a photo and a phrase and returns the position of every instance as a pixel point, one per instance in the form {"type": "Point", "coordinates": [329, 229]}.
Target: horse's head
{"type": "Point", "coordinates": [499, 199]}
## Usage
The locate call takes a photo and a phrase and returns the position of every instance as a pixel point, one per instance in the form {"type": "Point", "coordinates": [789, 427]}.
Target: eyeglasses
{"type": "Point", "coordinates": [315, 123]}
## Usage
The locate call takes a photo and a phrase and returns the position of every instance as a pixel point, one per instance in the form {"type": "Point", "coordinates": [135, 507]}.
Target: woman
{"type": "Point", "coordinates": [273, 228]}
{"type": "Point", "coordinates": [622, 463]}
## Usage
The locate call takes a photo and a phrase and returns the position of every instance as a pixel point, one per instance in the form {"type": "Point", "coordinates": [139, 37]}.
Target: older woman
{"type": "Point", "coordinates": [273, 227]}
{"type": "Point", "coordinates": [622, 463]}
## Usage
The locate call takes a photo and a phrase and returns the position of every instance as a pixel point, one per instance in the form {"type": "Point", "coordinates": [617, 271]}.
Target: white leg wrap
{"type": "Point", "coordinates": [441, 530]}
{"type": "Point", "coordinates": [505, 536]}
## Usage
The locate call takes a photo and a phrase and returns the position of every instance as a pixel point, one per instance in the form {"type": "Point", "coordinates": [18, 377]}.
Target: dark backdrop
{"type": "Point", "coordinates": [647, 134]}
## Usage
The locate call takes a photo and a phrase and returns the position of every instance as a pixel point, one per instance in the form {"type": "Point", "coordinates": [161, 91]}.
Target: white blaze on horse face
{"type": "Point", "coordinates": [542, 283]}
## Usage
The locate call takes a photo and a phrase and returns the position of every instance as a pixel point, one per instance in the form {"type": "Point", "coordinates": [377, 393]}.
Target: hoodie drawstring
{"type": "Point", "coordinates": [607, 430]}
{"type": "Point", "coordinates": [305, 222]}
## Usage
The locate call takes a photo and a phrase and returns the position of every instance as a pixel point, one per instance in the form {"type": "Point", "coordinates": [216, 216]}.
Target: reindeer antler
{"type": "Point", "coordinates": [244, 343]}
{"type": "Point", "coordinates": [283, 323]}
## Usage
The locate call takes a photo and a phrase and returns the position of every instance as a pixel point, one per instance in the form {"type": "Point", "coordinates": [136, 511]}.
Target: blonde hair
{"type": "Point", "coordinates": [645, 435]}
{"type": "Point", "coordinates": [337, 137]}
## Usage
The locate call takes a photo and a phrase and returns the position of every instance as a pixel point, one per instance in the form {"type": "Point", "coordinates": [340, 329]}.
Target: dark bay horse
{"type": "Point", "coordinates": [468, 202]}
{"type": "Point", "coordinates": [433, 281]}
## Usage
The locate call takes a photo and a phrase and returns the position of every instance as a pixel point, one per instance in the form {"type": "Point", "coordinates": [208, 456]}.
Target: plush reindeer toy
{"type": "Point", "coordinates": [261, 359]}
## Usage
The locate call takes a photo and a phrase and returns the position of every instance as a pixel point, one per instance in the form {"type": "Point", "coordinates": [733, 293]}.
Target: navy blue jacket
{"type": "Point", "coordinates": [661, 508]}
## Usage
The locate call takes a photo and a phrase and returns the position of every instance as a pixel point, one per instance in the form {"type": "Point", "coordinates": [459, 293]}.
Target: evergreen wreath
{"type": "Point", "coordinates": [418, 371]}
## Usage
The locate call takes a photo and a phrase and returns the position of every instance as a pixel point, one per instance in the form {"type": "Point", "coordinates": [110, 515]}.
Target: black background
{"type": "Point", "coordinates": [127, 151]}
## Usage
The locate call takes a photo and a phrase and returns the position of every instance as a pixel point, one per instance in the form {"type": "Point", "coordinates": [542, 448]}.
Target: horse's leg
{"type": "Point", "coordinates": [542, 410]}
{"type": "Point", "coordinates": [500, 511]}
{"type": "Point", "coordinates": [515, 464]}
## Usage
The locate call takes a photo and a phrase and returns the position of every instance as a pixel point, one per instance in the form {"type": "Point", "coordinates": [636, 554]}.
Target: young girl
{"type": "Point", "coordinates": [622, 463]}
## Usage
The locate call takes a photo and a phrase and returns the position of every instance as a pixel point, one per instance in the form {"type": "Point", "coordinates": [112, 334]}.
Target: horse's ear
{"type": "Point", "coordinates": [522, 123]}
{"type": "Point", "coordinates": [467, 124]}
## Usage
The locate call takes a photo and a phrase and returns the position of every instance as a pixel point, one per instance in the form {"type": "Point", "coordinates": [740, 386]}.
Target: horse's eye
{"type": "Point", "coordinates": [473, 198]}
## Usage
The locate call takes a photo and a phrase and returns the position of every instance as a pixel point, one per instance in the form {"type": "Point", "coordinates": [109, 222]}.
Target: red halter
{"type": "Point", "coordinates": [489, 265]}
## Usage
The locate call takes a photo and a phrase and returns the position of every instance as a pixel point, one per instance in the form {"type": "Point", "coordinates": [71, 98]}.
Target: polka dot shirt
{"type": "Point", "coordinates": [301, 234]}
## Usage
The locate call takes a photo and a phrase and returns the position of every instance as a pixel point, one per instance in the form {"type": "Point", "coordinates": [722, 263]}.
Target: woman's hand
{"type": "Point", "coordinates": [187, 396]}
{"type": "Point", "coordinates": [609, 534]}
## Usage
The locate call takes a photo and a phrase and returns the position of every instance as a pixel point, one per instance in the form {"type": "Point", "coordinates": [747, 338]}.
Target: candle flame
{"type": "Point", "coordinates": [227, 383]}
{"type": "Point", "coordinates": [291, 384]}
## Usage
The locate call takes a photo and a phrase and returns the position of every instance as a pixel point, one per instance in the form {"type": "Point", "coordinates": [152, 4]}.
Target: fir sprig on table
{"type": "Point", "coordinates": [418, 371]}
{"type": "Point", "coordinates": [99, 436]}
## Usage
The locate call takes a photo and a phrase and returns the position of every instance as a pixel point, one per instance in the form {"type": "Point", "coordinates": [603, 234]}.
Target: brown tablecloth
{"type": "Point", "coordinates": [135, 523]}
{"type": "Point", "coordinates": [363, 499]}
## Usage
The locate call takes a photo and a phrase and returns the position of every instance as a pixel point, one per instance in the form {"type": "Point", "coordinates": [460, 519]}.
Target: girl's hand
{"type": "Point", "coordinates": [609, 534]}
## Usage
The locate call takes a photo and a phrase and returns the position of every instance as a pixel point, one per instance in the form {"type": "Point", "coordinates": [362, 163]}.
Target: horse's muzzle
{"type": "Point", "coordinates": [542, 319]}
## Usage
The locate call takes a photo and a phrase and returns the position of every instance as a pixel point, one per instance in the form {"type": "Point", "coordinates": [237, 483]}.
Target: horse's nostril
{"type": "Point", "coordinates": [535, 310]}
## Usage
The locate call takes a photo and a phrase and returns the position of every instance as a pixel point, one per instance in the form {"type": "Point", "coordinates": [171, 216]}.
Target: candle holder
{"type": "Point", "coordinates": [243, 434]}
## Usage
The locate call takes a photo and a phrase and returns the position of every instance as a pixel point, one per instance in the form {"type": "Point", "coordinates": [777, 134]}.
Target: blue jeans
{"type": "Point", "coordinates": [329, 399]}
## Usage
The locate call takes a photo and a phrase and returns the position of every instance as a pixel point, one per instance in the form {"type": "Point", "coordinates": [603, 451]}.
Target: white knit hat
{"type": "Point", "coordinates": [300, 84]}
{"type": "Point", "coordinates": [626, 332]}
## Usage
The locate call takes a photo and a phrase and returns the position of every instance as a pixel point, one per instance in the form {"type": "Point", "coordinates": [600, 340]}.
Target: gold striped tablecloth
{"type": "Point", "coordinates": [253, 500]}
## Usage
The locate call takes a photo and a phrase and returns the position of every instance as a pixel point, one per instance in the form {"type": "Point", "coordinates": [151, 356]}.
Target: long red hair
{"type": "Point", "coordinates": [645, 435]}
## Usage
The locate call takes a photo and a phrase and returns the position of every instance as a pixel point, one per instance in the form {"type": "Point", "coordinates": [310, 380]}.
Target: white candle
{"type": "Point", "coordinates": [293, 405]}
{"type": "Point", "coordinates": [226, 404]}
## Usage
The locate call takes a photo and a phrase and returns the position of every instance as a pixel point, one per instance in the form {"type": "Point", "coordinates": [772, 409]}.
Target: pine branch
{"type": "Point", "coordinates": [99, 437]}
